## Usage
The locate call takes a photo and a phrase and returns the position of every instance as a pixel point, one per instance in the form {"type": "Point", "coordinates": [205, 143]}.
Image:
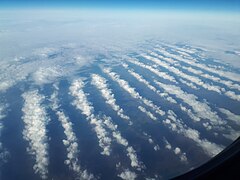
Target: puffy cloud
{"type": "Point", "coordinates": [144, 81]}
{"type": "Point", "coordinates": [178, 126]}
{"type": "Point", "coordinates": [225, 74]}
{"type": "Point", "coordinates": [177, 151]}
{"type": "Point", "coordinates": [231, 134]}
{"type": "Point", "coordinates": [70, 142]}
{"type": "Point", "coordinates": [163, 75]}
{"type": "Point", "coordinates": [82, 104]}
{"type": "Point", "coordinates": [124, 84]}
{"type": "Point", "coordinates": [5, 84]}
{"type": "Point", "coordinates": [190, 113]}
{"type": "Point", "coordinates": [46, 75]}
{"type": "Point", "coordinates": [87, 109]}
{"type": "Point", "coordinates": [128, 175]}
{"type": "Point", "coordinates": [150, 140]}
{"type": "Point", "coordinates": [231, 116]}
{"type": "Point", "coordinates": [233, 95]}
{"type": "Point", "coordinates": [181, 74]}
{"type": "Point", "coordinates": [101, 84]}
{"type": "Point", "coordinates": [201, 109]}
{"type": "Point", "coordinates": [227, 83]}
{"type": "Point", "coordinates": [43, 65]}
{"type": "Point", "coordinates": [35, 119]}
{"type": "Point", "coordinates": [191, 85]}
{"type": "Point", "coordinates": [131, 153]}
{"type": "Point", "coordinates": [148, 113]}
{"type": "Point", "coordinates": [3, 151]}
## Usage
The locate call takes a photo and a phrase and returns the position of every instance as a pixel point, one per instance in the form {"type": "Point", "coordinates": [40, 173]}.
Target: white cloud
{"type": "Point", "coordinates": [35, 119]}
{"type": "Point", "coordinates": [161, 74]}
{"type": "Point", "coordinates": [128, 175]}
{"type": "Point", "coordinates": [45, 52]}
{"type": "Point", "coordinates": [141, 79]}
{"type": "Point", "coordinates": [46, 75]}
{"type": "Point", "coordinates": [181, 74]}
{"type": "Point", "coordinates": [6, 84]}
{"type": "Point", "coordinates": [104, 140]}
{"type": "Point", "coordinates": [87, 109]}
{"type": "Point", "coordinates": [148, 113]}
{"type": "Point", "coordinates": [167, 144]}
{"type": "Point", "coordinates": [70, 142]}
{"type": "Point", "coordinates": [201, 109]}
{"type": "Point", "coordinates": [3, 151]}
{"type": "Point", "coordinates": [190, 113]}
{"type": "Point", "coordinates": [124, 84]}
{"type": "Point", "coordinates": [178, 126]}
{"type": "Point", "coordinates": [225, 74]}
{"type": "Point", "coordinates": [231, 134]}
{"type": "Point", "coordinates": [131, 153]}
{"type": "Point", "coordinates": [150, 140]}
{"type": "Point", "coordinates": [144, 81]}
{"type": "Point", "coordinates": [233, 95]}
{"type": "Point", "coordinates": [191, 85]}
{"type": "Point", "coordinates": [177, 151]}
{"type": "Point", "coordinates": [231, 116]}
{"type": "Point", "coordinates": [101, 84]}
{"type": "Point", "coordinates": [229, 84]}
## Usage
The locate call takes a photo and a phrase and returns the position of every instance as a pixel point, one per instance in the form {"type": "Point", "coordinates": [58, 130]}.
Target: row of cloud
{"type": "Point", "coordinates": [192, 69]}
{"type": "Point", "coordinates": [101, 84]}
{"type": "Point", "coordinates": [186, 131]}
{"type": "Point", "coordinates": [102, 125]}
{"type": "Point", "coordinates": [35, 119]}
{"type": "Point", "coordinates": [134, 94]}
{"type": "Point", "coordinates": [71, 140]}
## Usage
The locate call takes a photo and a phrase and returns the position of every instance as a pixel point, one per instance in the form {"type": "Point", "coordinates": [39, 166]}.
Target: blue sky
{"type": "Point", "coordinates": [229, 5]}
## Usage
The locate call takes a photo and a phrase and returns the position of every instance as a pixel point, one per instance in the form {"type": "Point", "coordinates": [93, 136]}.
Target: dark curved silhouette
{"type": "Point", "coordinates": [225, 165]}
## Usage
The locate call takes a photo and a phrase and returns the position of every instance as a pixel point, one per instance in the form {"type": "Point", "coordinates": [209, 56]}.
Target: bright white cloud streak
{"type": "Point", "coordinates": [225, 74]}
{"type": "Point", "coordinates": [177, 125]}
{"type": "Point", "coordinates": [201, 109]}
{"type": "Point", "coordinates": [101, 84]}
{"type": "Point", "coordinates": [35, 119]}
{"type": "Point", "coordinates": [181, 74]}
{"type": "Point", "coordinates": [231, 116]}
{"type": "Point", "coordinates": [124, 84]}
{"type": "Point", "coordinates": [70, 142]}
{"type": "Point", "coordinates": [144, 81]}
{"type": "Point", "coordinates": [81, 103]}
{"type": "Point", "coordinates": [100, 123]}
